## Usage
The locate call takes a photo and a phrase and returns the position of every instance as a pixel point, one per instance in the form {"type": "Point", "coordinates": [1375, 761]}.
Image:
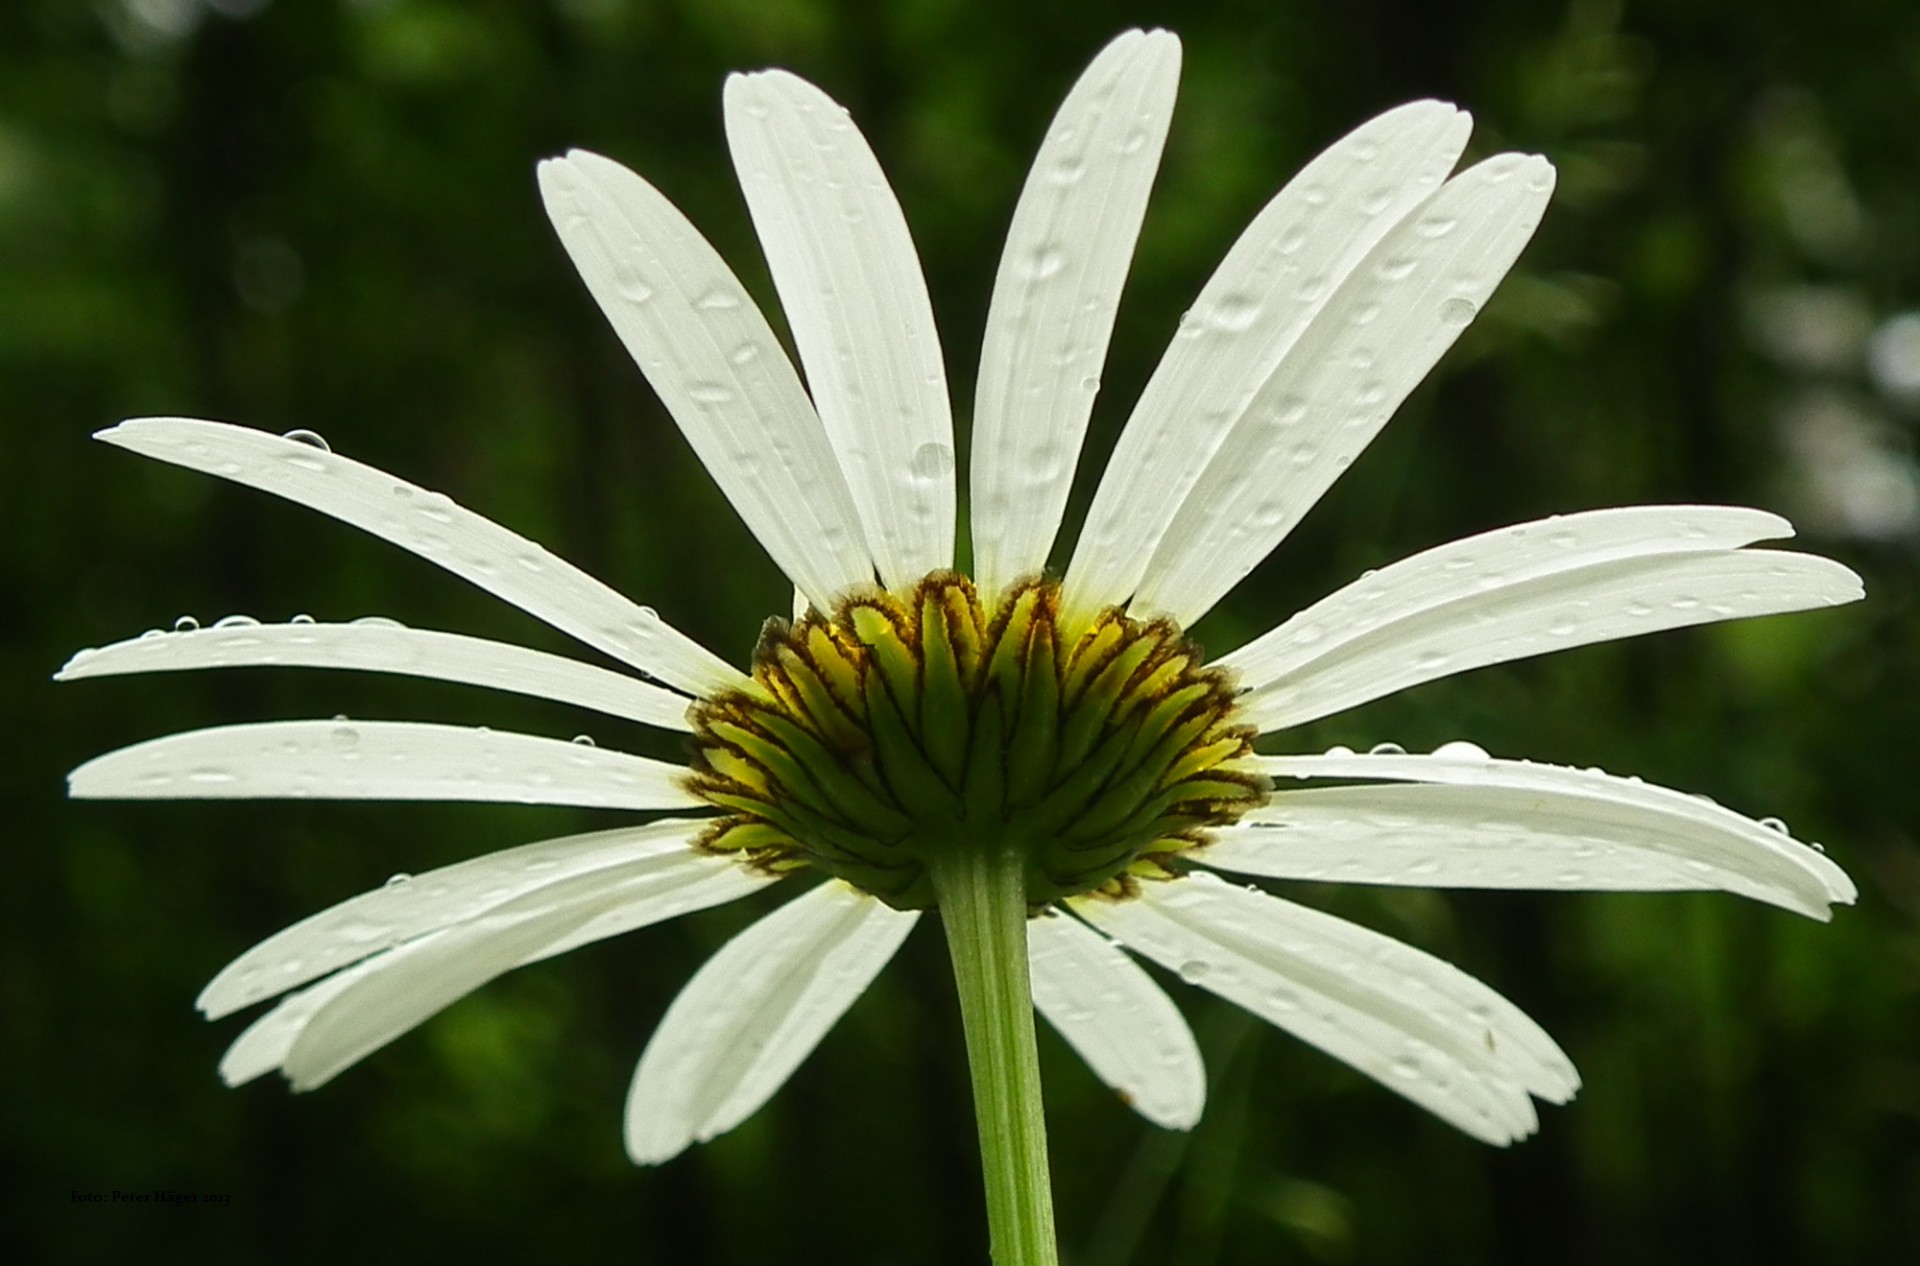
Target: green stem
{"type": "Point", "coordinates": [983, 906]}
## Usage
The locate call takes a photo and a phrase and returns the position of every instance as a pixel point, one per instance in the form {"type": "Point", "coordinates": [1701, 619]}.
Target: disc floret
{"type": "Point", "coordinates": [906, 724]}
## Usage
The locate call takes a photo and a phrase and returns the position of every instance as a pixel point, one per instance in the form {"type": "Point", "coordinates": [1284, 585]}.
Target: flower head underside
{"type": "Point", "coordinates": [909, 709]}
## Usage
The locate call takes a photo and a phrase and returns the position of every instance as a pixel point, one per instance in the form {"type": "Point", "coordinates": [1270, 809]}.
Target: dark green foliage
{"type": "Point", "coordinates": [321, 214]}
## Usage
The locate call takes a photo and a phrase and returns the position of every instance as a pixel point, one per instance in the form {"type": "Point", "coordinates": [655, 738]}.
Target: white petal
{"type": "Point", "coordinates": [753, 1012]}
{"type": "Point", "coordinates": [378, 760]}
{"type": "Point", "coordinates": [1417, 1025]}
{"type": "Point", "coordinates": [702, 342]}
{"type": "Point", "coordinates": [1506, 556]}
{"type": "Point", "coordinates": [319, 1033]}
{"type": "Point", "coordinates": [432, 526]}
{"type": "Point", "coordinates": [850, 282]}
{"type": "Point", "coordinates": [1265, 293]}
{"type": "Point", "coordinates": [680, 880]}
{"type": "Point", "coordinates": [1394, 647]}
{"type": "Point", "coordinates": [1516, 824]}
{"type": "Point", "coordinates": [388, 648]}
{"type": "Point", "coordinates": [1054, 300]}
{"type": "Point", "coordinates": [1120, 1022]}
{"type": "Point", "coordinates": [1377, 336]}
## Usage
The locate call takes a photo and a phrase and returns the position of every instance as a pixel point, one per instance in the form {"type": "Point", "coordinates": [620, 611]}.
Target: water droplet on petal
{"type": "Point", "coordinates": [1775, 824]}
{"type": "Point", "coordinates": [932, 461]}
{"type": "Point", "coordinates": [312, 439]}
{"type": "Point", "coordinates": [1462, 750]}
{"type": "Point", "coordinates": [1234, 312]}
{"type": "Point", "coordinates": [1194, 970]}
{"type": "Point", "coordinates": [630, 284]}
{"type": "Point", "coordinates": [302, 618]}
{"type": "Point", "coordinates": [1457, 312]}
{"type": "Point", "coordinates": [399, 881]}
{"type": "Point", "coordinates": [235, 622]}
{"type": "Point", "coordinates": [1386, 749]}
{"type": "Point", "coordinates": [185, 624]}
{"type": "Point", "coordinates": [1396, 268]}
{"type": "Point", "coordinates": [1043, 262]}
{"type": "Point", "coordinates": [585, 740]}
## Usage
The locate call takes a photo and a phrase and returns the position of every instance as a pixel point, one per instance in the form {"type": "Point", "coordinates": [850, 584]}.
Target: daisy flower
{"type": "Point", "coordinates": [1048, 761]}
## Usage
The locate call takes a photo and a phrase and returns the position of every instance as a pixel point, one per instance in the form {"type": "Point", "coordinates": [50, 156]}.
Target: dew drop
{"type": "Point", "coordinates": [1775, 824]}
{"type": "Point", "coordinates": [1044, 262]}
{"type": "Point", "coordinates": [1234, 312]}
{"type": "Point", "coordinates": [1458, 312]}
{"type": "Point", "coordinates": [1462, 750]}
{"type": "Point", "coordinates": [1068, 170]}
{"type": "Point", "coordinates": [400, 880]}
{"type": "Point", "coordinates": [312, 439]}
{"type": "Point", "coordinates": [709, 393]}
{"type": "Point", "coordinates": [1397, 268]}
{"type": "Point", "coordinates": [235, 622]}
{"type": "Point", "coordinates": [630, 284]}
{"type": "Point", "coordinates": [743, 353]}
{"type": "Point", "coordinates": [718, 301]}
{"type": "Point", "coordinates": [1562, 626]}
{"type": "Point", "coordinates": [584, 740]}
{"type": "Point", "coordinates": [150, 633]}
{"type": "Point", "coordinates": [1431, 661]}
{"type": "Point", "coordinates": [301, 618]}
{"type": "Point", "coordinates": [1386, 749]}
{"type": "Point", "coordinates": [932, 461]}
{"type": "Point", "coordinates": [1194, 970]}
{"type": "Point", "coordinates": [1435, 226]}
{"type": "Point", "coordinates": [185, 624]}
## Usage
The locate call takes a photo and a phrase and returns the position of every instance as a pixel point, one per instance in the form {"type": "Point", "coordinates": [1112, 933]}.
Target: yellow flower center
{"type": "Point", "coordinates": [904, 725]}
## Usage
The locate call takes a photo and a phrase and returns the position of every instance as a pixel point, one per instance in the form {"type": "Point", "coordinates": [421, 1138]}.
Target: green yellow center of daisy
{"type": "Point", "coordinates": [906, 725]}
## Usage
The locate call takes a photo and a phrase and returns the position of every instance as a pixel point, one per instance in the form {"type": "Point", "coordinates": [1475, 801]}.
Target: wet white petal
{"type": "Point", "coordinates": [1117, 1019]}
{"type": "Point", "coordinates": [1506, 556]}
{"type": "Point", "coordinates": [1054, 300]}
{"type": "Point", "coordinates": [315, 1035]}
{"type": "Point", "coordinates": [753, 1012]}
{"type": "Point", "coordinates": [1419, 1026]}
{"type": "Point", "coordinates": [678, 880]}
{"type": "Point", "coordinates": [432, 526]}
{"type": "Point", "coordinates": [850, 282]}
{"type": "Point", "coordinates": [1266, 292]}
{"type": "Point", "coordinates": [379, 760]}
{"type": "Point", "coordinates": [1383, 328]}
{"type": "Point", "coordinates": [1514, 619]}
{"type": "Point", "coordinates": [1507, 823]}
{"type": "Point", "coordinates": [389, 648]}
{"type": "Point", "coordinates": [702, 342]}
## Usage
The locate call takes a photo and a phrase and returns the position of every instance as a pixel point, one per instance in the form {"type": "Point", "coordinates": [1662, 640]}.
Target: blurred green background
{"type": "Point", "coordinates": [321, 214]}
